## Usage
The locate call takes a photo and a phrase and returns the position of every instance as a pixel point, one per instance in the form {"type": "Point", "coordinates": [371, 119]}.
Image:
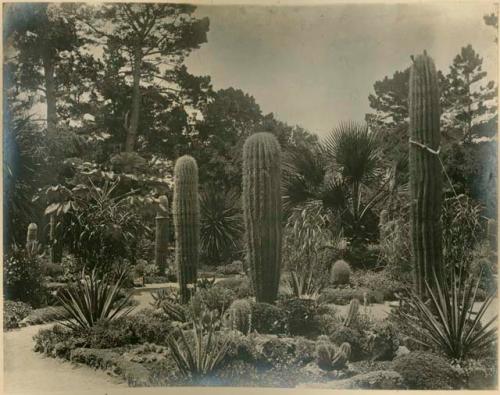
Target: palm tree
{"type": "Point", "coordinates": [345, 172]}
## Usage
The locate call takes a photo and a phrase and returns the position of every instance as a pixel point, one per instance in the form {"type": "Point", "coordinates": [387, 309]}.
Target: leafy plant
{"type": "Point", "coordinates": [447, 321]}
{"type": "Point", "coordinates": [206, 354]}
{"type": "Point", "coordinates": [93, 299]}
{"type": "Point", "coordinates": [221, 224]}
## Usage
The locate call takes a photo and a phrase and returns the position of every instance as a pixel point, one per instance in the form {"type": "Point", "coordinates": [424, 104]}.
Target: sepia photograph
{"type": "Point", "coordinates": [249, 195]}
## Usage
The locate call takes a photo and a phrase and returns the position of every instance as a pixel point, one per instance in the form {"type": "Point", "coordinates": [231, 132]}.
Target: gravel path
{"type": "Point", "coordinates": [26, 371]}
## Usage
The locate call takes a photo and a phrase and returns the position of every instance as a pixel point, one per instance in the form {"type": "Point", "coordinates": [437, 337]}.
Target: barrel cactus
{"type": "Point", "coordinates": [186, 214]}
{"type": "Point", "coordinates": [162, 234]}
{"type": "Point", "coordinates": [341, 273]}
{"type": "Point", "coordinates": [425, 172]}
{"type": "Point", "coordinates": [262, 213]}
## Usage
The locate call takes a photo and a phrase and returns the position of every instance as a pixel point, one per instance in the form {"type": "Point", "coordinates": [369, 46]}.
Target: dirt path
{"type": "Point", "coordinates": [26, 371]}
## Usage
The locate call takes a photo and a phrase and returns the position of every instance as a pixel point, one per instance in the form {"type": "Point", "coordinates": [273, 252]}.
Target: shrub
{"type": "Point", "coordinates": [240, 285]}
{"type": "Point", "coordinates": [236, 267]}
{"type": "Point", "coordinates": [52, 269]}
{"type": "Point", "coordinates": [272, 351]}
{"type": "Point", "coordinates": [58, 341]}
{"type": "Point", "coordinates": [267, 318]}
{"type": "Point", "coordinates": [94, 299]}
{"type": "Point", "coordinates": [343, 296]}
{"type": "Point", "coordinates": [111, 334]}
{"type": "Point", "coordinates": [341, 272]}
{"type": "Point", "coordinates": [46, 314]}
{"type": "Point", "coordinates": [23, 278]}
{"type": "Point", "coordinates": [215, 298]}
{"type": "Point", "coordinates": [238, 315]}
{"type": "Point", "coordinates": [300, 317]}
{"type": "Point", "coordinates": [340, 334]}
{"type": "Point", "coordinates": [426, 371]}
{"type": "Point", "coordinates": [383, 341]}
{"type": "Point", "coordinates": [382, 281]}
{"type": "Point", "coordinates": [13, 313]}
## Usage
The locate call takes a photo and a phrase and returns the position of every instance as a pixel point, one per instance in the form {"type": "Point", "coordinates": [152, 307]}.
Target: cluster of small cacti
{"type": "Point", "coordinates": [262, 213]}
{"type": "Point", "coordinates": [329, 357]}
{"type": "Point", "coordinates": [352, 313]}
{"type": "Point", "coordinates": [162, 234]}
{"type": "Point", "coordinates": [425, 172]}
{"type": "Point", "coordinates": [186, 214]}
{"type": "Point", "coordinates": [341, 273]}
{"type": "Point", "coordinates": [239, 316]}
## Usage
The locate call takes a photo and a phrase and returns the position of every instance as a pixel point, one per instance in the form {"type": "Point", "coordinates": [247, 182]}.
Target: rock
{"type": "Point", "coordinates": [380, 379]}
{"type": "Point", "coordinates": [402, 350]}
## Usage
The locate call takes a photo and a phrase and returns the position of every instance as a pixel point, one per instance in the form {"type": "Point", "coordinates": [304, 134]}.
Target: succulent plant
{"type": "Point", "coordinates": [162, 234]}
{"type": "Point", "coordinates": [262, 213]}
{"type": "Point", "coordinates": [425, 172]}
{"type": "Point", "coordinates": [186, 214]}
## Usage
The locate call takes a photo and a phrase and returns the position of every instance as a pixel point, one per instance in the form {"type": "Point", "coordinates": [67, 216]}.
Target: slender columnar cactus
{"type": "Point", "coordinates": [55, 243]}
{"type": "Point", "coordinates": [352, 313]}
{"type": "Point", "coordinates": [262, 213]}
{"type": "Point", "coordinates": [32, 234]}
{"type": "Point", "coordinates": [161, 234]}
{"type": "Point", "coordinates": [382, 224]}
{"type": "Point", "coordinates": [425, 172]}
{"type": "Point", "coordinates": [186, 213]}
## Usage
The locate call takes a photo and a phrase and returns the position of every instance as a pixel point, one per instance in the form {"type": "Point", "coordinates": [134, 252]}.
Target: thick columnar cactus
{"type": "Point", "coordinates": [186, 214]}
{"type": "Point", "coordinates": [262, 213]}
{"type": "Point", "coordinates": [425, 172]}
{"type": "Point", "coordinates": [352, 313]}
{"type": "Point", "coordinates": [161, 234]}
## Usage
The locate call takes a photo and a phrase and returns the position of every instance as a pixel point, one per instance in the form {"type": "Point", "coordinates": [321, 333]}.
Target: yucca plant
{"type": "Point", "coordinates": [221, 224]}
{"type": "Point", "coordinates": [447, 321]}
{"type": "Point", "coordinates": [206, 354]}
{"type": "Point", "coordinates": [93, 299]}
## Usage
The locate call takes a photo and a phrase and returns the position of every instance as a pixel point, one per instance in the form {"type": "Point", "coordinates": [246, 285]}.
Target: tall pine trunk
{"type": "Point", "coordinates": [136, 102]}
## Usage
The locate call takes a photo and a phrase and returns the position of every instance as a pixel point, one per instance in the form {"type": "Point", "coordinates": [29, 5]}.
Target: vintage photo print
{"type": "Point", "coordinates": [267, 195]}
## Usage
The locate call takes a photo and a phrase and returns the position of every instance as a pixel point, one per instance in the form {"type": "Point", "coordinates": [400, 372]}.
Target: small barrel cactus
{"type": "Point", "coordinates": [262, 213]}
{"type": "Point", "coordinates": [341, 273]}
{"type": "Point", "coordinates": [162, 234]}
{"type": "Point", "coordinates": [239, 316]}
{"type": "Point", "coordinates": [186, 213]}
{"type": "Point", "coordinates": [352, 313]}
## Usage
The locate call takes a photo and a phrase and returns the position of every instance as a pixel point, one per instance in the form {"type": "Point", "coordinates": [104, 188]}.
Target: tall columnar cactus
{"type": "Point", "coordinates": [425, 172]}
{"type": "Point", "coordinates": [161, 234]}
{"type": "Point", "coordinates": [262, 213]}
{"type": "Point", "coordinates": [55, 243]}
{"type": "Point", "coordinates": [352, 313]}
{"type": "Point", "coordinates": [186, 213]}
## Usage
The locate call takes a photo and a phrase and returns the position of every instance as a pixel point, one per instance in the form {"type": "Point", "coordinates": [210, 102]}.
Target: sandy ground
{"type": "Point", "coordinates": [28, 372]}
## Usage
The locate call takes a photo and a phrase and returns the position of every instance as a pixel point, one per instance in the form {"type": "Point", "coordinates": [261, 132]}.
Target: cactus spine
{"type": "Point", "coordinates": [186, 213]}
{"type": "Point", "coordinates": [262, 213]}
{"type": "Point", "coordinates": [352, 313]}
{"type": "Point", "coordinates": [425, 172]}
{"type": "Point", "coordinates": [161, 234]}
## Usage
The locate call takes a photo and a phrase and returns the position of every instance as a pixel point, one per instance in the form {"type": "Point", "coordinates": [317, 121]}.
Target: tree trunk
{"type": "Point", "coordinates": [136, 102]}
{"type": "Point", "coordinates": [50, 92]}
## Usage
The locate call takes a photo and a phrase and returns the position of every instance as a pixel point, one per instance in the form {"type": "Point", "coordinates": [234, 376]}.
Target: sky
{"type": "Point", "coordinates": [315, 66]}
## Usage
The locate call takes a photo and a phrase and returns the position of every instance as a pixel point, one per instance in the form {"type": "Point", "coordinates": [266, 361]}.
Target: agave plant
{"type": "Point", "coordinates": [447, 321]}
{"type": "Point", "coordinates": [208, 351]}
{"type": "Point", "coordinates": [94, 299]}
